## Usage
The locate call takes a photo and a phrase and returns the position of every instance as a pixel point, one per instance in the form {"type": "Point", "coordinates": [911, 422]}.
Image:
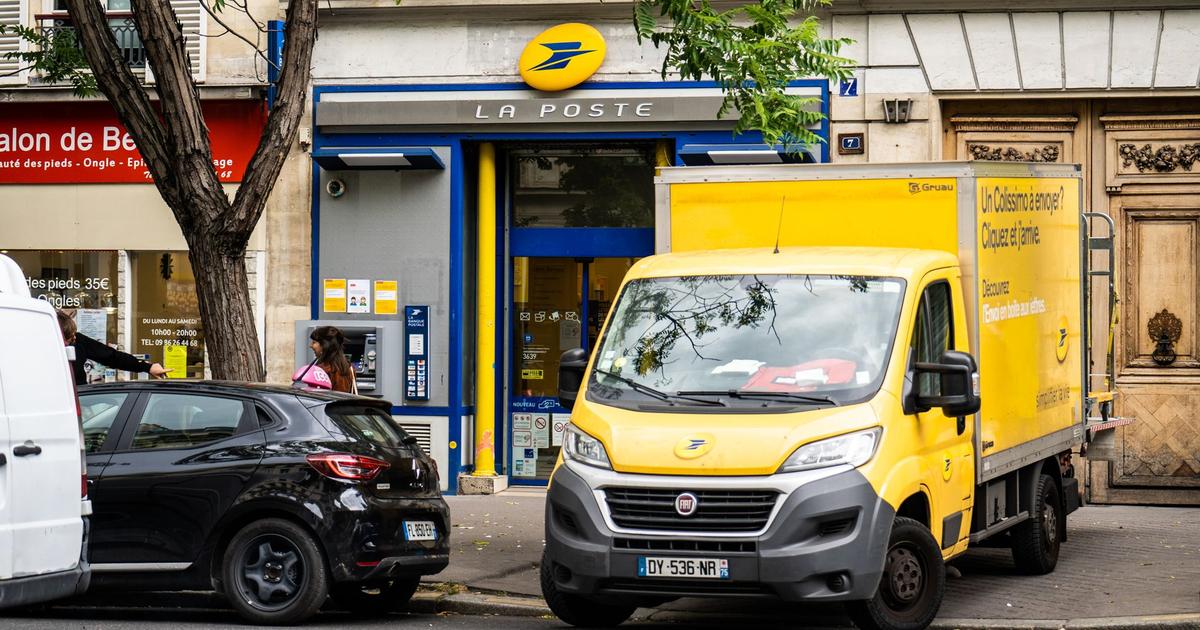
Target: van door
{"type": "Point", "coordinates": [43, 463]}
{"type": "Point", "coordinates": [945, 442]}
{"type": "Point", "coordinates": [5, 491]}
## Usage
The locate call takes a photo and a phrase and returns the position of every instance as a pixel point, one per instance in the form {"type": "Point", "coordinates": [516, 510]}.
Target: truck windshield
{"type": "Point", "coordinates": [811, 340]}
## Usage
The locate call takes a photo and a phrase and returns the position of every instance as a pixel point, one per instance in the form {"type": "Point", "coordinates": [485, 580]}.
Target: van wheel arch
{"type": "Point", "coordinates": [916, 507]}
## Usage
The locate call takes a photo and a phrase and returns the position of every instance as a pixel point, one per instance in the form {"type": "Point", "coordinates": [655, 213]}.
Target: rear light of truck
{"type": "Point", "coordinates": [347, 467]}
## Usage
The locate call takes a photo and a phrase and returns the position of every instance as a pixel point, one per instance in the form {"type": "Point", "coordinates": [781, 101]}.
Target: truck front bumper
{"type": "Point", "coordinates": [825, 539]}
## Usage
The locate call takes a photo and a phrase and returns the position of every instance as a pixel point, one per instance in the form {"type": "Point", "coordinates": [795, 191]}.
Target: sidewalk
{"type": "Point", "coordinates": [1121, 567]}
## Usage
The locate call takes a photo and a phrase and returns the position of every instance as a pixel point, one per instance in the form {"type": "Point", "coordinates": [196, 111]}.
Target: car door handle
{"type": "Point", "coordinates": [3, 459]}
{"type": "Point", "coordinates": [28, 448]}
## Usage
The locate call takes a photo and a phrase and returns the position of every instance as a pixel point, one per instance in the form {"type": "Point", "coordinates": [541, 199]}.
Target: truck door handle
{"type": "Point", "coordinates": [28, 448]}
{"type": "Point", "coordinates": [3, 459]}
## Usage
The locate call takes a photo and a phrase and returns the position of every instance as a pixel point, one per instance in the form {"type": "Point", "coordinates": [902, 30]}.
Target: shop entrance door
{"type": "Point", "coordinates": [558, 304]}
{"type": "Point", "coordinates": [580, 216]}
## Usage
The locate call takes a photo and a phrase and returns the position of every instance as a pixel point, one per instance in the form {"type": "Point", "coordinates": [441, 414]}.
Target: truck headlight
{"type": "Point", "coordinates": [854, 449]}
{"type": "Point", "coordinates": [583, 448]}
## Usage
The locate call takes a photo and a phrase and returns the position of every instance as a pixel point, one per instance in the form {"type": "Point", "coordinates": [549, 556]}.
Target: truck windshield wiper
{"type": "Point", "coordinates": [741, 393]}
{"type": "Point", "coordinates": [661, 395]}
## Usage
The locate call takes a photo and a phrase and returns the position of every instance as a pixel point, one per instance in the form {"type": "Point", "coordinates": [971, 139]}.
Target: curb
{"type": "Point", "coordinates": [476, 603]}
{"type": "Point", "coordinates": [482, 603]}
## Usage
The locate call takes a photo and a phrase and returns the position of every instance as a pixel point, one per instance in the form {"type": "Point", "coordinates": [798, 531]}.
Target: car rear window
{"type": "Point", "coordinates": [368, 423]}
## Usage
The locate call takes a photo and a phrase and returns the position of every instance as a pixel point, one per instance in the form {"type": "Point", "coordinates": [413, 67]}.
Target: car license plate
{"type": "Point", "coordinates": [419, 530]}
{"type": "Point", "coordinates": [709, 568]}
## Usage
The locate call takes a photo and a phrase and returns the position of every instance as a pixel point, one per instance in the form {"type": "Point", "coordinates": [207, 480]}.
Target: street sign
{"type": "Point", "coordinates": [848, 87]}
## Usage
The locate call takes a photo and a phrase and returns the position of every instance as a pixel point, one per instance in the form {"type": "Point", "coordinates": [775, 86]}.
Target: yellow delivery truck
{"type": "Point", "coordinates": [829, 381]}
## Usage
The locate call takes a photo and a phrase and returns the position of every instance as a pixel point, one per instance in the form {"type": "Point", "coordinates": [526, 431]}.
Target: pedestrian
{"type": "Point", "coordinates": [327, 344]}
{"type": "Point", "coordinates": [88, 349]}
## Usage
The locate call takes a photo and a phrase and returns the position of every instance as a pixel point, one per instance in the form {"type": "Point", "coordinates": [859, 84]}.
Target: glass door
{"type": "Point", "coordinates": [550, 316]}
{"type": "Point", "coordinates": [580, 215]}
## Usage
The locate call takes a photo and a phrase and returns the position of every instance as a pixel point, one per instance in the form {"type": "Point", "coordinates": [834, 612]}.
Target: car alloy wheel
{"type": "Point", "coordinates": [272, 572]}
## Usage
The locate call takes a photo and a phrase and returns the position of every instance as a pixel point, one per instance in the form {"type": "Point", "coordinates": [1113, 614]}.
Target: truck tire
{"type": "Point", "coordinates": [912, 586]}
{"type": "Point", "coordinates": [374, 599]}
{"type": "Point", "coordinates": [1035, 542]}
{"type": "Point", "coordinates": [580, 611]}
{"type": "Point", "coordinates": [274, 573]}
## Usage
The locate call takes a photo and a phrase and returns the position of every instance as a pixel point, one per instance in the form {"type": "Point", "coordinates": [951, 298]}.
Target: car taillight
{"type": "Point", "coordinates": [83, 485]}
{"type": "Point", "coordinates": [346, 466]}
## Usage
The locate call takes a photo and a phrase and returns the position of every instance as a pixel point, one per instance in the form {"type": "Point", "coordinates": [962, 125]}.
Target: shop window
{"type": "Point", "coordinates": [166, 322]}
{"type": "Point", "coordinates": [80, 282]}
{"type": "Point", "coordinates": [583, 187]}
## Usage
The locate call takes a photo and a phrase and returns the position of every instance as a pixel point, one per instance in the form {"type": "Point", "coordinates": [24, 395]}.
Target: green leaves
{"type": "Point", "coordinates": [54, 54]}
{"type": "Point", "coordinates": [753, 51]}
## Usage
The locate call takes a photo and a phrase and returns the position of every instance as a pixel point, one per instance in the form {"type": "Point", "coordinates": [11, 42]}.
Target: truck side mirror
{"type": "Point", "coordinates": [958, 378]}
{"type": "Point", "coordinates": [571, 365]}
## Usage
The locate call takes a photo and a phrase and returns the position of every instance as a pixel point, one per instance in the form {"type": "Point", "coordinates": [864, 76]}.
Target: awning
{"type": "Point", "coordinates": [708, 154]}
{"type": "Point", "coordinates": [392, 159]}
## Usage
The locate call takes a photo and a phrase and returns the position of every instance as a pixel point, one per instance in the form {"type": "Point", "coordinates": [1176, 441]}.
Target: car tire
{"type": "Point", "coordinates": [1036, 542]}
{"type": "Point", "coordinates": [375, 598]}
{"type": "Point", "coordinates": [912, 586]}
{"type": "Point", "coordinates": [580, 611]}
{"type": "Point", "coordinates": [274, 573]}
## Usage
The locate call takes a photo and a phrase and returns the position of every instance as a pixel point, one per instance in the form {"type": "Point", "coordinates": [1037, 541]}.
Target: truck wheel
{"type": "Point", "coordinates": [1035, 542]}
{"type": "Point", "coordinates": [912, 586]}
{"type": "Point", "coordinates": [580, 611]}
{"type": "Point", "coordinates": [274, 573]}
{"type": "Point", "coordinates": [374, 599]}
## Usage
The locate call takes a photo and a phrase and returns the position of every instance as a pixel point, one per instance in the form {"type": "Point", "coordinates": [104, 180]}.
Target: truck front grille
{"type": "Point", "coordinates": [716, 510]}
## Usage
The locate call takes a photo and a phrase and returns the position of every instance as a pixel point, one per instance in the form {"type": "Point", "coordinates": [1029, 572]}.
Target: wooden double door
{"type": "Point", "coordinates": [1141, 163]}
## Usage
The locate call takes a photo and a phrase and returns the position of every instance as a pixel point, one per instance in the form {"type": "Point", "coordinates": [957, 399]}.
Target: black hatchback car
{"type": "Point", "coordinates": [276, 497]}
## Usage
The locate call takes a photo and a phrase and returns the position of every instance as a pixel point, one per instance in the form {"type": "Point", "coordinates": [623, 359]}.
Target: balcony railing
{"type": "Point", "coordinates": [59, 30]}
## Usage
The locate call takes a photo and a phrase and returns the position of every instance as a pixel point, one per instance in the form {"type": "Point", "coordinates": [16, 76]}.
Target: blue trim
{"type": "Point", "coordinates": [456, 328]}
{"type": "Point", "coordinates": [315, 228]}
{"type": "Point", "coordinates": [414, 410]}
{"type": "Point", "coordinates": [702, 154]}
{"type": "Point", "coordinates": [275, 30]}
{"type": "Point", "coordinates": [587, 85]}
{"type": "Point", "coordinates": [405, 158]}
{"type": "Point", "coordinates": [582, 242]}
{"type": "Point", "coordinates": [503, 334]}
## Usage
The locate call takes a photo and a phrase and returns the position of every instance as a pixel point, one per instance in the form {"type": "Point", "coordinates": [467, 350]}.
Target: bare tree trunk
{"type": "Point", "coordinates": [229, 330]}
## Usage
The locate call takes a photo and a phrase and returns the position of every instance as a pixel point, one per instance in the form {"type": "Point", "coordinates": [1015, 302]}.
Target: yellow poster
{"type": "Point", "coordinates": [175, 360]}
{"type": "Point", "coordinates": [385, 297]}
{"type": "Point", "coordinates": [335, 295]}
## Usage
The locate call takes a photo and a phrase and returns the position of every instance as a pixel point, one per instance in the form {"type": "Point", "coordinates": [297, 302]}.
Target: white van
{"type": "Point", "coordinates": [43, 483]}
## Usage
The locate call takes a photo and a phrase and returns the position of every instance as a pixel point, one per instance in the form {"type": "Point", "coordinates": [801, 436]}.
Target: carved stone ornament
{"type": "Point", "coordinates": [1047, 153]}
{"type": "Point", "coordinates": [1165, 329]}
{"type": "Point", "coordinates": [1164, 160]}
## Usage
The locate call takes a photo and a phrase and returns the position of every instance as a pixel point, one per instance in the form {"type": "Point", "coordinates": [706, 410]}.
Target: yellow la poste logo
{"type": "Point", "coordinates": [562, 57]}
{"type": "Point", "coordinates": [694, 446]}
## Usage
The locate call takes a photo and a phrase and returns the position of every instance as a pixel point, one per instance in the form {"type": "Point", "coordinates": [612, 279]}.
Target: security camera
{"type": "Point", "coordinates": [335, 188]}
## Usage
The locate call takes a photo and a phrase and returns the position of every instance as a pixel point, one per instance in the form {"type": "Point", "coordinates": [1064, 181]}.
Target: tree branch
{"type": "Point", "coordinates": [187, 134]}
{"type": "Point", "coordinates": [125, 93]}
{"type": "Point", "coordinates": [283, 121]}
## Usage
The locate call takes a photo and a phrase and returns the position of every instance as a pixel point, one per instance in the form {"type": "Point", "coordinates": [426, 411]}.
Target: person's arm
{"type": "Point", "coordinates": [111, 357]}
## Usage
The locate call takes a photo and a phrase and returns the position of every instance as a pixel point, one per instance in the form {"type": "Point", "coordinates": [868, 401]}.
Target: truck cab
{"type": "Point", "coordinates": [803, 422]}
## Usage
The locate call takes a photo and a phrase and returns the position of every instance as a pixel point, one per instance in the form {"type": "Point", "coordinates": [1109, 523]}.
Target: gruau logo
{"type": "Point", "coordinates": [562, 57]}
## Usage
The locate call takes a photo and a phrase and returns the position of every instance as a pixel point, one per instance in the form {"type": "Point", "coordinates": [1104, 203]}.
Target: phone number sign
{"type": "Point", "coordinates": [82, 142]}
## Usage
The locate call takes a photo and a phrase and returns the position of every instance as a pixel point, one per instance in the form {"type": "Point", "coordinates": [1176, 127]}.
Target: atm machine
{"type": "Point", "coordinates": [374, 349]}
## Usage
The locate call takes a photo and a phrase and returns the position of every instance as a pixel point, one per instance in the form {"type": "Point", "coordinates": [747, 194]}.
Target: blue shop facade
{"type": "Point", "coordinates": [403, 172]}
